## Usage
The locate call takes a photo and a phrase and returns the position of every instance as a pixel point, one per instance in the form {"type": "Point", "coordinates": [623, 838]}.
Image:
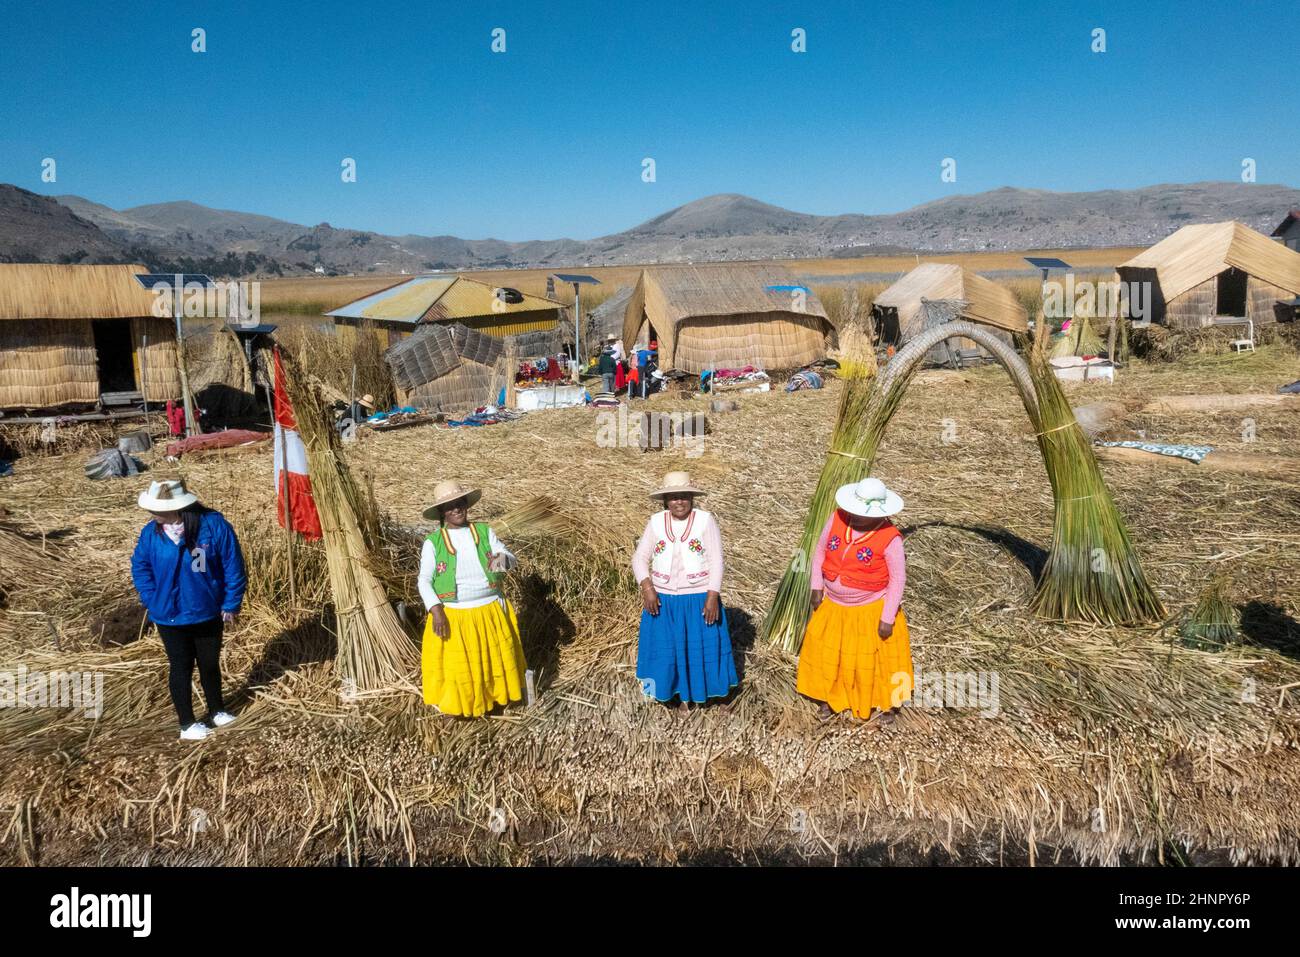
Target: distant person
{"type": "Point", "coordinates": [855, 655]}
{"type": "Point", "coordinates": [188, 569]}
{"type": "Point", "coordinates": [606, 366]}
{"type": "Point", "coordinates": [643, 357]}
{"type": "Point", "coordinates": [633, 380]}
{"type": "Point", "coordinates": [684, 649]}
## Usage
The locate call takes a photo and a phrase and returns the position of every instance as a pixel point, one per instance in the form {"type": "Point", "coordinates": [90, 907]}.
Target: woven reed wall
{"type": "Point", "coordinates": [46, 363]}
{"type": "Point", "coordinates": [427, 355]}
{"type": "Point", "coordinates": [1195, 307]}
{"type": "Point", "coordinates": [464, 389]}
{"type": "Point", "coordinates": [157, 361]}
{"type": "Point", "coordinates": [1264, 301]}
{"type": "Point", "coordinates": [780, 340]}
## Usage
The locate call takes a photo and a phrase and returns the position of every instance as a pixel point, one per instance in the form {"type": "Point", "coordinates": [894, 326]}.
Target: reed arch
{"type": "Point", "coordinates": [1092, 572]}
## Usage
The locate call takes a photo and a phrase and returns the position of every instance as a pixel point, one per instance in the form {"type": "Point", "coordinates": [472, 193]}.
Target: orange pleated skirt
{"type": "Point", "coordinates": [846, 663]}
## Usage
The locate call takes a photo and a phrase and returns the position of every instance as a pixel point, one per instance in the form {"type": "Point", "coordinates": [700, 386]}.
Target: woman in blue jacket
{"type": "Point", "coordinates": [189, 571]}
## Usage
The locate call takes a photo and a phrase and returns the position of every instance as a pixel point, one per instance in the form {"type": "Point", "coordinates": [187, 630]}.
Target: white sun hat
{"type": "Point", "coordinates": [868, 498]}
{"type": "Point", "coordinates": [166, 496]}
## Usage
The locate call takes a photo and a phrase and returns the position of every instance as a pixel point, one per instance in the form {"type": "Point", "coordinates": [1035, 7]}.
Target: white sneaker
{"type": "Point", "coordinates": [195, 732]}
{"type": "Point", "coordinates": [222, 718]}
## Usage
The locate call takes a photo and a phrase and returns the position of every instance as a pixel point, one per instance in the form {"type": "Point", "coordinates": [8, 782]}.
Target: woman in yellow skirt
{"type": "Point", "coordinates": [855, 655]}
{"type": "Point", "coordinates": [472, 659]}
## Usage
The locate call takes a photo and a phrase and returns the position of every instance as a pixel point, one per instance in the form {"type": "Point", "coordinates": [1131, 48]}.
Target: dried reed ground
{"type": "Point", "coordinates": [1111, 745]}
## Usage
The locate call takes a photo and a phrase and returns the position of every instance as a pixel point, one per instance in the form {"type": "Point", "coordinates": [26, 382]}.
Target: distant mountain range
{"type": "Point", "coordinates": [185, 235]}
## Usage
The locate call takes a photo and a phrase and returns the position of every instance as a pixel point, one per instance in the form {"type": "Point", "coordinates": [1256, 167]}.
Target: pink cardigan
{"type": "Point", "coordinates": [677, 584]}
{"type": "Point", "coordinates": [846, 595]}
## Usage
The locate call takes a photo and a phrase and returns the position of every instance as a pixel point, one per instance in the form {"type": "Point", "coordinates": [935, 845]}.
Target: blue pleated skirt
{"type": "Point", "coordinates": [679, 656]}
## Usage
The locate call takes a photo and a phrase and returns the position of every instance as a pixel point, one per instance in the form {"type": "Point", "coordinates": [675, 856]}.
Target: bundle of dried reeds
{"type": "Point", "coordinates": [1092, 572]}
{"type": "Point", "coordinates": [27, 558]}
{"type": "Point", "coordinates": [852, 450]}
{"type": "Point", "coordinates": [374, 651]}
{"type": "Point", "coordinates": [1079, 340]}
{"type": "Point", "coordinates": [1213, 623]}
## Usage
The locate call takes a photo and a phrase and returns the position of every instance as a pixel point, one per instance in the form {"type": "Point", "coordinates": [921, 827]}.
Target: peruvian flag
{"type": "Point", "coordinates": [291, 478]}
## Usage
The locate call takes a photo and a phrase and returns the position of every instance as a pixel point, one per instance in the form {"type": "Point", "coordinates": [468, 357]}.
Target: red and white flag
{"type": "Point", "coordinates": [291, 478]}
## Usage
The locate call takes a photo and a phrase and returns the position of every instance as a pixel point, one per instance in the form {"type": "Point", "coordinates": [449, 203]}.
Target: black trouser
{"type": "Point", "coordinates": [187, 644]}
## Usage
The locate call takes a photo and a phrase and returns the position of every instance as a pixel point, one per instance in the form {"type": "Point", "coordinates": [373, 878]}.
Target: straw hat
{"type": "Point", "coordinates": [166, 496]}
{"type": "Point", "coordinates": [677, 483]}
{"type": "Point", "coordinates": [449, 491]}
{"type": "Point", "coordinates": [367, 400]}
{"type": "Point", "coordinates": [868, 498]}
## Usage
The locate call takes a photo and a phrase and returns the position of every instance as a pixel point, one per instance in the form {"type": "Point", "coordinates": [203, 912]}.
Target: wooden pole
{"type": "Point", "coordinates": [191, 421]}
{"type": "Point", "coordinates": [512, 366]}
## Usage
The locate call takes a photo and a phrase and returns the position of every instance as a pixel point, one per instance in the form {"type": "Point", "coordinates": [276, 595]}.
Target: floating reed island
{"type": "Point", "coordinates": [1097, 742]}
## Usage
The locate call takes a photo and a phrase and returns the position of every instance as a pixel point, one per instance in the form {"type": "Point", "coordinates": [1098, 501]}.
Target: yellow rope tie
{"type": "Point", "coordinates": [1057, 429]}
{"type": "Point", "coordinates": [1079, 498]}
{"type": "Point", "coordinates": [849, 455]}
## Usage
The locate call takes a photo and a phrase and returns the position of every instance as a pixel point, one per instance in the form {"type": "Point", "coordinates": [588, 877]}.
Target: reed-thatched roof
{"type": "Point", "coordinates": [986, 302]}
{"type": "Point", "coordinates": [718, 315]}
{"type": "Point", "coordinates": [40, 291]}
{"type": "Point", "coordinates": [426, 299]}
{"type": "Point", "coordinates": [1196, 253]}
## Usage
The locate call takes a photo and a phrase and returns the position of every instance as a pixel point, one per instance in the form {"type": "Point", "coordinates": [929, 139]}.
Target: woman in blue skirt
{"type": "Point", "coordinates": [684, 650]}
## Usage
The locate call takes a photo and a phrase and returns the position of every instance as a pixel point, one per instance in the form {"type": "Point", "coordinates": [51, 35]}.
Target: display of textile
{"type": "Point", "coordinates": [807, 379]}
{"type": "Point", "coordinates": [1193, 453]}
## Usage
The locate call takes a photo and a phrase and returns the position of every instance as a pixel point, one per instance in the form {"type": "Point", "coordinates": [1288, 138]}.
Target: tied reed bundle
{"type": "Point", "coordinates": [374, 651]}
{"type": "Point", "coordinates": [1092, 572]}
{"type": "Point", "coordinates": [1213, 623]}
{"type": "Point", "coordinates": [852, 449]}
{"type": "Point", "coordinates": [1079, 340]}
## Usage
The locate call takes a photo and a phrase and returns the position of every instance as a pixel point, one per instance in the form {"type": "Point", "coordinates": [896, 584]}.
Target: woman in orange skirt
{"type": "Point", "coordinates": [855, 655]}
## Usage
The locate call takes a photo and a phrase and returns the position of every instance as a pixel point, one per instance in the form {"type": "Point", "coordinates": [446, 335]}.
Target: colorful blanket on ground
{"type": "Point", "coordinates": [225, 439]}
{"type": "Point", "coordinates": [1193, 453]}
{"type": "Point", "coordinates": [807, 379]}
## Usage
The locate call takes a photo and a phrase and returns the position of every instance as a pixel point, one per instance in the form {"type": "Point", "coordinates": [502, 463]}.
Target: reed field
{"type": "Point", "coordinates": [1147, 742]}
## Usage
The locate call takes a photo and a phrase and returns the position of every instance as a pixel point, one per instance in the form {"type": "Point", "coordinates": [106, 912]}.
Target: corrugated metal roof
{"type": "Point", "coordinates": [1202, 251]}
{"type": "Point", "coordinates": [438, 299]}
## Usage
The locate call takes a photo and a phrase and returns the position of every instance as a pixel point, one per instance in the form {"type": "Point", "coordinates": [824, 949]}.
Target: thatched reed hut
{"type": "Point", "coordinates": [727, 316]}
{"type": "Point", "coordinates": [1214, 271]}
{"type": "Point", "coordinates": [82, 336]}
{"type": "Point", "coordinates": [607, 318]}
{"type": "Point", "coordinates": [447, 368]}
{"type": "Point", "coordinates": [899, 312]}
{"type": "Point", "coordinates": [399, 310]}
{"type": "Point", "coordinates": [1288, 231]}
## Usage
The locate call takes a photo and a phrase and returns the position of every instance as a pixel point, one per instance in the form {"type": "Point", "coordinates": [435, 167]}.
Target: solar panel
{"type": "Point", "coordinates": [1040, 262]}
{"type": "Point", "coordinates": [151, 280]}
{"type": "Point", "coordinates": [574, 277]}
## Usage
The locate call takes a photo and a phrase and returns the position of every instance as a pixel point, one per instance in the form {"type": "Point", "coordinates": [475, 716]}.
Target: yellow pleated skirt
{"type": "Point", "coordinates": [480, 664]}
{"type": "Point", "coordinates": [846, 663]}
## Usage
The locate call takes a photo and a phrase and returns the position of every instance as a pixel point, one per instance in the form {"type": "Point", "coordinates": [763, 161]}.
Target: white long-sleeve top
{"type": "Point", "coordinates": [472, 588]}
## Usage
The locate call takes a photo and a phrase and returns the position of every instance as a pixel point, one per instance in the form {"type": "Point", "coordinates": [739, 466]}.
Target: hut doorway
{"type": "Point", "coordinates": [1232, 293]}
{"type": "Point", "coordinates": [114, 352]}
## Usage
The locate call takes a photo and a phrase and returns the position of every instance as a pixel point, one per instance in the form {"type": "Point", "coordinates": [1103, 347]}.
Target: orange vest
{"type": "Point", "coordinates": [859, 564]}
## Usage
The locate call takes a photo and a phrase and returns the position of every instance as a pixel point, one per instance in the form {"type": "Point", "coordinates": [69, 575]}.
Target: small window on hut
{"type": "Point", "coordinates": [1232, 293]}
{"type": "Point", "coordinates": [113, 355]}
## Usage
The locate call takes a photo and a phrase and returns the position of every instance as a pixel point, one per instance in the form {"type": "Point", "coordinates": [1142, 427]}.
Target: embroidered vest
{"type": "Point", "coordinates": [858, 564]}
{"type": "Point", "coordinates": [444, 569]}
{"type": "Point", "coordinates": [690, 545]}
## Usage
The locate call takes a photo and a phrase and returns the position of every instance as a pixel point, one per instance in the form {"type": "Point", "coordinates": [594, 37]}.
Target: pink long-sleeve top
{"type": "Point", "coordinates": [843, 594]}
{"type": "Point", "coordinates": [677, 584]}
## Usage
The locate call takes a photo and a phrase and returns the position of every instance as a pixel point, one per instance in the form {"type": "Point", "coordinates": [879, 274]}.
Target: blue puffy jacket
{"type": "Point", "coordinates": [184, 589]}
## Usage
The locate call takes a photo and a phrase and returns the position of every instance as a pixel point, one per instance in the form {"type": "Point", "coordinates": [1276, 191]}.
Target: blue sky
{"type": "Point", "coordinates": [547, 139]}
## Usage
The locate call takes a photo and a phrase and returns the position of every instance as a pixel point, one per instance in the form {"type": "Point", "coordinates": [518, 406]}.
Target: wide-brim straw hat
{"type": "Point", "coordinates": [677, 483]}
{"type": "Point", "coordinates": [166, 496]}
{"type": "Point", "coordinates": [449, 491]}
{"type": "Point", "coordinates": [868, 498]}
{"type": "Point", "coordinates": [367, 400]}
